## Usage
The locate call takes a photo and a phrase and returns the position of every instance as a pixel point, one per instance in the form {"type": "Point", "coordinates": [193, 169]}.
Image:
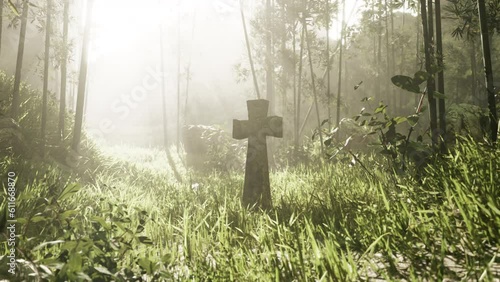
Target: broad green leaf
{"type": "Point", "coordinates": [101, 221]}
{"type": "Point", "coordinates": [399, 120]}
{"type": "Point", "coordinates": [21, 220]}
{"type": "Point", "coordinates": [67, 214]}
{"type": "Point", "coordinates": [406, 83]}
{"type": "Point", "coordinates": [83, 277]}
{"type": "Point", "coordinates": [75, 262]}
{"type": "Point", "coordinates": [419, 77]}
{"type": "Point", "coordinates": [103, 270]}
{"type": "Point", "coordinates": [146, 264]}
{"type": "Point", "coordinates": [69, 191]}
{"type": "Point", "coordinates": [412, 120]}
{"type": "Point", "coordinates": [402, 81]}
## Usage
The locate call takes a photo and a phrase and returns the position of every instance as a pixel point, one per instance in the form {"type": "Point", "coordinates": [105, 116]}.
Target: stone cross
{"type": "Point", "coordinates": [257, 190]}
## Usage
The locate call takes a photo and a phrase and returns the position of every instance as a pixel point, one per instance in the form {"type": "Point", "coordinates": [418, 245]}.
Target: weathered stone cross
{"type": "Point", "coordinates": [257, 190]}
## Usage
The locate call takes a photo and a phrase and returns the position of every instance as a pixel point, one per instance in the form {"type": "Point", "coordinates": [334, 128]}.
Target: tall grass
{"type": "Point", "coordinates": [330, 222]}
{"type": "Point", "coordinates": [130, 214]}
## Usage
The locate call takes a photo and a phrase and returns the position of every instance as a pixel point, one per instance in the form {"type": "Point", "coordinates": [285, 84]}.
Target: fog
{"type": "Point", "coordinates": [124, 88]}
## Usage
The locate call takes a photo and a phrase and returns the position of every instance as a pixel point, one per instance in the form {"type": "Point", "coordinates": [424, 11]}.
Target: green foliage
{"type": "Point", "coordinates": [410, 84]}
{"type": "Point", "coordinates": [330, 221]}
{"type": "Point", "coordinates": [224, 153]}
{"type": "Point", "coordinates": [361, 134]}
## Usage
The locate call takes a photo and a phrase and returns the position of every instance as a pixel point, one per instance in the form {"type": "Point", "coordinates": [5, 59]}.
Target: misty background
{"type": "Point", "coordinates": [124, 102]}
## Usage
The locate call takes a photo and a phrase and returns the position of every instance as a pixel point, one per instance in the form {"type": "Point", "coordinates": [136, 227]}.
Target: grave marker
{"type": "Point", "coordinates": [257, 190]}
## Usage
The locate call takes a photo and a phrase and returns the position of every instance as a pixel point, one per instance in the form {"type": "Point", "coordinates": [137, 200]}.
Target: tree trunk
{"type": "Point", "coordinates": [308, 40]}
{"type": "Point", "coordinates": [294, 110]}
{"type": "Point", "coordinates": [64, 72]}
{"type": "Point", "coordinates": [82, 80]}
{"type": "Point", "coordinates": [269, 60]}
{"type": "Point", "coordinates": [249, 50]}
{"type": "Point", "coordinates": [16, 100]}
{"type": "Point", "coordinates": [418, 45]}
{"type": "Point", "coordinates": [178, 128]}
{"type": "Point", "coordinates": [342, 37]}
{"type": "Point", "coordinates": [328, 92]}
{"type": "Point", "coordinates": [299, 87]}
{"type": "Point", "coordinates": [284, 77]}
{"type": "Point", "coordinates": [398, 106]}
{"type": "Point", "coordinates": [379, 52]}
{"type": "Point", "coordinates": [488, 70]}
{"type": "Point", "coordinates": [163, 92]}
{"type": "Point", "coordinates": [1, 25]}
{"type": "Point", "coordinates": [440, 82]}
{"type": "Point", "coordinates": [428, 31]}
{"type": "Point", "coordinates": [390, 94]}
{"type": "Point", "coordinates": [45, 93]}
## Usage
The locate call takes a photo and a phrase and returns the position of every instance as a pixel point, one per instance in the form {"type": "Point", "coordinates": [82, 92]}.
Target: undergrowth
{"type": "Point", "coordinates": [331, 221]}
{"type": "Point", "coordinates": [129, 214]}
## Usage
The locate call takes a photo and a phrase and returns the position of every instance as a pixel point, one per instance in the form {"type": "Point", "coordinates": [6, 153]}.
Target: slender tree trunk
{"type": "Point", "coordinates": [16, 100]}
{"type": "Point", "coordinates": [163, 92]}
{"type": "Point", "coordinates": [249, 50]}
{"type": "Point", "coordinates": [294, 110]}
{"type": "Point", "coordinates": [391, 98]}
{"type": "Point", "coordinates": [427, 30]}
{"type": "Point", "coordinates": [398, 106]}
{"type": "Point", "coordinates": [379, 67]}
{"type": "Point", "coordinates": [440, 82]}
{"type": "Point", "coordinates": [432, 80]}
{"type": "Point", "coordinates": [488, 70]}
{"type": "Point", "coordinates": [299, 87]}
{"type": "Point", "coordinates": [328, 66]}
{"type": "Point", "coordinates": [178, 128]}
{"type": "Point", "coordinates": [284, 77]}
{"type": "Point", "coordinates": [308, 40]}
{"type": "Point", "coordinates": [346, 81]}
{"type": "Point", "coordinates": [188, 73]}
{"type": "Point", "coordinates": [403, 98]}
{"type": "Point", "coordinates": [1, 25]}
{"type": "Point", "coordinates": [82, 80]}
{"type": "Point", "coordinates": [45, 93]}
{"type": "Point", "coordinates": [64, 72]}
{"type": "Point", "coordinates": [419, 24]}
{"type": "Point", "coordinates": [342, 38]}
{"type": "Point", "coordinates": [269, 59]}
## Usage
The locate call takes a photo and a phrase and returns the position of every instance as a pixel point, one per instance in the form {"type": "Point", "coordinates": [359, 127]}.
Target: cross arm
{"type": "Point", "coordinates": [241, 129]}
{"type": "Point", "coordinates": [274, 126]}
